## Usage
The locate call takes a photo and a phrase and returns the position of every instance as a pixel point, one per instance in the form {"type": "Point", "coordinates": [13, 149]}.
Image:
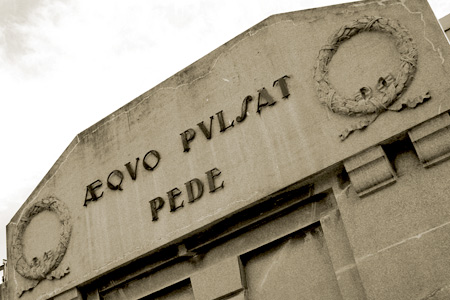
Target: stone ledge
{"type": "Point", "coordinates": [370, 171]}
{"type": "Point", "coordinates": [72, 294]}
{"type": "Point", "coordinates": [431, 140]}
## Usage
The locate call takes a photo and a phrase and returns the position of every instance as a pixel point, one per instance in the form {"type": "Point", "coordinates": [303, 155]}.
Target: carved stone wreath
{"type": "Point", "coordinates": [43, 267]}
{"type": "Point", "coordinates": [388, 88]}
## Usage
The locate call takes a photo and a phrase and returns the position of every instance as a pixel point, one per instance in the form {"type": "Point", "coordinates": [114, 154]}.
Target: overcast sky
{"type": "Point", "coordinates": [66, 64]}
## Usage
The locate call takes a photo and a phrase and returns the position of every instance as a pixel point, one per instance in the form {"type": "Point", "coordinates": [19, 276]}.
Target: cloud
{"type": "Point", "coordinates": [26, 30]}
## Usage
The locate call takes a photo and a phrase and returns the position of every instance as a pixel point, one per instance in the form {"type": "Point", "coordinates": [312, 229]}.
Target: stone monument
{"type": "Point", "coordinates": [304, 159]}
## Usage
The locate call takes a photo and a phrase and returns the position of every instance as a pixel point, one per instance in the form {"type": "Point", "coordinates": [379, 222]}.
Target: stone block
{"type": "Point", "coordinates": [137, 181]}
{"type": "Point", "coordinates": [296, 265]}
{"type": "Point", "coordinates": [219, 280]}
{"type": "Point", "coordinates": [414, 268]}
{"type": "Point", "coordinates": [240, 296]}
{"type": "Point", "coordinates": [72, 294]}
{"type": "Point", "coordinates": [342, 258]}
{"type": "Point", "coordinates": [431, 140]}
{"type": "Point", "coordinates": [93, 295]}
{"type": "Point", "coordinates": [369, 171]}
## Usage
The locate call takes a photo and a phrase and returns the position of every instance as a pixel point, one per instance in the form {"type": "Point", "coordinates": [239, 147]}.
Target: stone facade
{"type": "Point", "coordinates": [305, 159]}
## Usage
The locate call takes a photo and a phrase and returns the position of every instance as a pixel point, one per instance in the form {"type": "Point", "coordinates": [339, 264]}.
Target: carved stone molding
{"type": "Point", "coordinates": [72, 294]}
{"type": "Point", "coordinates": [370, 171]}
{"type": "Point", "coordinates": [44, 267]}
{"type": "Point", "coordinates": [431, 140]}
{"type": "Point", "coordinates": [369, 101]}
{"type": "Point", "coordinates": [342, 257]}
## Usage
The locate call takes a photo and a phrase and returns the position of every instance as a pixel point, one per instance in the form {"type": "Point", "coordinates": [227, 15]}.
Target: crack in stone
{"type": "Point", "coordinates": [381, 3]}
{"type": "Point", "coordinates": [343, 191]}
{"type": "Point", "coordinates": [437, 293]}
{"type": "Point", "coordinates": [438, 50]}
{"type": "Point", "coordinates": [275, 262]}
{"type": "Point", "coordinates": [115, 116]}
{"type": "Point", "coordinates": [137, 250]}
{"type": "Point", "coordinates": [345, 268]}
{"type": "Point", "coordinates": [248, 35]}
{"type": "Point", "coordinates": [144, 98]}
{"type": "Point", "coordinates": [415, 237]}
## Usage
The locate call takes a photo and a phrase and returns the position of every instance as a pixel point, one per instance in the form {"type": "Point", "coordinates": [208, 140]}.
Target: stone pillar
{"type": "Point", "coordinates": [93, 295]}
{"type": "Point", "coordinates": [342, 258]}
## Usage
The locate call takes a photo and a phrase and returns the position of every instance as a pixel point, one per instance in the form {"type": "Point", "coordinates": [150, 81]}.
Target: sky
{"type": "Point", "coordinates": [66, 64]}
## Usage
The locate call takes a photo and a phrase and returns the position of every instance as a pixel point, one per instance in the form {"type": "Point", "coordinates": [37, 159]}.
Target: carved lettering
{"type": "Point", "coordinates": [205, 130]}
{"type": "Point", "coordinates": [155, 206]}
{"type": "Point", "coordinates": [115, 186]}
{"type": "Point", "coordinates": [90, 191]}
{"type": "Point", "coordinates": [211, 175]}
{"type": "Point", "coordinates": [283, 86]}
{"type": "Point", "coordinates": [130, 170]}
{"type": "Point", "coordinates": [268, 100]}
{"type": "Point", "coordinates": [172, 194]}
{"type": "Point", "coordinates": [148, 166]}
{"type": "Point", "coordinates": [194, 189]}
{"type": "Point", "coordinates": [222, 122]}
{"type": "Point", "coordinates": [186, 138]}
{"type": "Point", "coordinates": [192, 196]}
{"type": "Point", "coordinates": [244, 108]}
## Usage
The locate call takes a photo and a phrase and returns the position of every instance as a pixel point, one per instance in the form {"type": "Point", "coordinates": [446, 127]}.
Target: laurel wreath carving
{"type": "Point", "coordinates": [367, 101]}
{"type": "Point", "coordinates": [40, 268]}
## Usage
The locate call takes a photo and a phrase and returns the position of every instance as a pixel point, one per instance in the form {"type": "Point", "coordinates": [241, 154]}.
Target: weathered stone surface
{"type": "Point", "coordinates": [399, 234]}
{"type": "Point", "coordinates": [342, 257]}
{"type": "Point", "coordinates": [72, 294]}
{"type": "Point", "coordinates": [218, 281]}
{"type": "Point", "coordinates": [369, 171]}
{"type": "Point", "coordinates": [431, 140]}
{"type": "Point", "coordinates": [114, 186]}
